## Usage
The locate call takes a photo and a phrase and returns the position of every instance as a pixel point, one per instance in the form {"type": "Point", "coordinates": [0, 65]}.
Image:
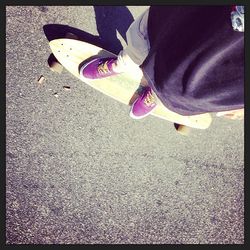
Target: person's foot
{"type": "Point", "coordinates": [144, 104]}
{"type": "Point", "coordinates": [99, 68]}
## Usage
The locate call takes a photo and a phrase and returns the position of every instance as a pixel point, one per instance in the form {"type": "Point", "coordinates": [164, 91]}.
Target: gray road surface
{"type": "Point", "coordinates": [80, 171]}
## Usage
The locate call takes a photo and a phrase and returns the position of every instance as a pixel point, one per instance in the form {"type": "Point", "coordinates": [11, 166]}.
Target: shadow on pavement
{"type": "Point", "coordinates": [109, 19]}
{"type": "Point", "coordinates": [56, 31]}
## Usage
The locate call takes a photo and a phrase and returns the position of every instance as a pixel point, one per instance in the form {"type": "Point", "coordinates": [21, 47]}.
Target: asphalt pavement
{"type": "Point", "coordinates": [79, 170]}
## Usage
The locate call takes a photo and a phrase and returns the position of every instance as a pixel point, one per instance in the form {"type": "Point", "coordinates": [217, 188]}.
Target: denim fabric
{"type": "Point", "coordinates": [137, 44]}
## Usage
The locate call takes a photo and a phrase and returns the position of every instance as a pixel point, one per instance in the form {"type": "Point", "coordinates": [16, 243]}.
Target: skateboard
{"type": "Point", "coordinates": [71, 54]}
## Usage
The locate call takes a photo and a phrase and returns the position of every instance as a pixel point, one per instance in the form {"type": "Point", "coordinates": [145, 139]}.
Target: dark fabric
{"type": "Point", "coordinates": [196, 60]}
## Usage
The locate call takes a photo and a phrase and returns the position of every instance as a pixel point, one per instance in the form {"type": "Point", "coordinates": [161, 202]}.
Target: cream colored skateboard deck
{"type": "Point", "coordinates": [71, 54]}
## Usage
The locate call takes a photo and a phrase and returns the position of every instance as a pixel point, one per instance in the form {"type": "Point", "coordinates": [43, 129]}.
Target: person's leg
{"type": "Point", "coordinates": [129, 58]}
{"type": "Point", "coordinates": [133, 56]}
{"type": "Point", "coordinates": [137, 48]}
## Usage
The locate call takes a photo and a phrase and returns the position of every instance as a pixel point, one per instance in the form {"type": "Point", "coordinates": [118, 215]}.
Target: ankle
{"type": "Point", "coordinates": [144, 82]}
{"type": "Point", "coordinates": [116, 68]}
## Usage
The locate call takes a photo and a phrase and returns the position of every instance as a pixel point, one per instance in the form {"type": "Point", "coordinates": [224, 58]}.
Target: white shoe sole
{"type": "Point", "coordinates": [139, 117]}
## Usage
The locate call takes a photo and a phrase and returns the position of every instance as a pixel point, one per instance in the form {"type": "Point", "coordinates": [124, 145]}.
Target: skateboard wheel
{"type": "Point", "coordinates": [54, 64]}
{"type": "Point", "coordinates": [71, 36]}
{"type": "Point", "coordinates": [182, 129]}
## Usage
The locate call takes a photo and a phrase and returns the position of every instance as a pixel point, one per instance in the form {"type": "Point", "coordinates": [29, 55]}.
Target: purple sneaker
{"type": "Point", "coordinates": [98, 68]}
{"type": "Point", "coordinates": [143, 105]}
